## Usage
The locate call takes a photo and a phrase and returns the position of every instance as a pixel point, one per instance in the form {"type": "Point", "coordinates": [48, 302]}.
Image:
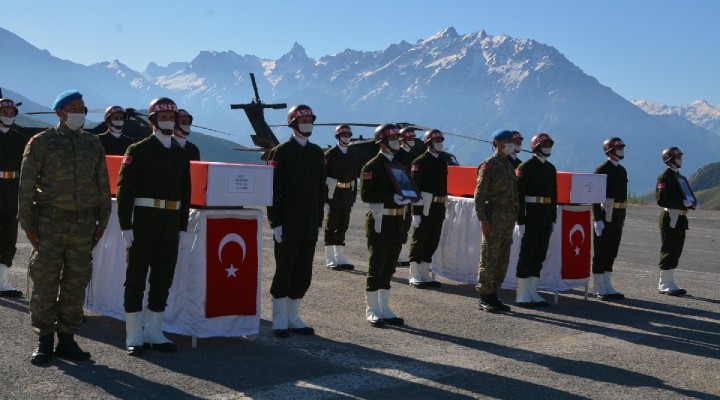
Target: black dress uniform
{"type": "Point", "coordinates": [384, 246]}
{"type": "Point", "coordinates": [192, 150]}
{"type": "Point", "coordinates": [670, 196]}
{"type": "Point", "coordinates": [150, 171]}
{"type": "Point", "coordinates": [343, 167]}
{"type": "Point", "coordinates": [115, 146]}
{"type": "Point", "coordinates": [537, 195]}
{"type": "Point", "coordinates": [430, 175]}
{"type": "Point", "coordinates": [298, 194]}
{"type": "Point", "coordinates": [405, 158]}
{"type": "Point", "coordinates": [12, 145]}
{"type": "Point", "coordinates": [607, 245]}
{"type": "Point", "coordinates": [514, 161]}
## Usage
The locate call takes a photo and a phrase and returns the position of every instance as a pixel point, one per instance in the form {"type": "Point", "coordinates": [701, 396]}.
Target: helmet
{"type": "Point", "coordinates": [182, 112]}
{"type": "Point", "coordinates": [407, 133]}
{"type": "Point", "coordinates": [670, 153]}
{"type": "Point", "coordinates": [612, 144]}
{"type": "Point", "coordinates": [384, 131]}
{"type": "Point", "coordinates": [517, 136]}
{"type": "Point", "coordinates": [297, 112]}
{"type": "Point", "coordinates": [114, 109]}
{"type": "Point", "coordinates": [162, 104]}
{"type": "Point", "coordinates": [342, 129]}
{"type": "Point", "coordinates": [8, 103]}
{"type": "Point", "coordinates": [432, 134]}
{"type": "Point", "coordinates": [539, 139]}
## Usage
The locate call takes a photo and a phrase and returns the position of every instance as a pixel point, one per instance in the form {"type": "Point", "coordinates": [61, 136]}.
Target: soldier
{"type": "Point", "coordinates": [517, 141]}
{"type": "Point", "coordinates": [429, 171]}
{"type": "Point", "coordinates": [182, 131]}
{"type": "Point", "coordinates": [609, 220]}
{"type": "Point", "coordinates": [64, 207]}
{"type": "Point", "coordinates": [296, 217]}
{"type": "Point", "coordinates": [674, 194]}
{"type": "Point", "coordinates": [537, 195]}
{"type": "Point", "coordinates": [405, 156]}
{"type": "Point", "coordinates": [383, 226]}
{"type": "Point", "coordinates": [496, 205]}
{"type": "Point", "coordinates": [153, 202]}
{"type": "Point", "coordinates": [113, 140]}
{"type": "Point", "coordinates": [341, 171]}
{"type": "Point", "coordinates": [12, 143]}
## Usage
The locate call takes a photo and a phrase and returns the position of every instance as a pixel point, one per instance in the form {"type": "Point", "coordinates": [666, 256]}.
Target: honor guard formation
{"type": "Point", "coordinates": [55, 185]}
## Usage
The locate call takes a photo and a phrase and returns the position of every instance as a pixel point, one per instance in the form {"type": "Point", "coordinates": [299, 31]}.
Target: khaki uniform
{"type": "Point", "coordinates": [343, 167]}
{"type": "Point", "coordinates": [496, 201]}
{"type": "Point", "coordinates": [430, 175]}
{"type": "Point", "coordinates": [606, 246]}
{"type": "Point", "coordinates": [669, 195]}
{"type": "Point", "coordinates": [384, 246]}
{"type": "Point", "coordinates": [64, 196]}
{"type": "Point", "coordinates": [298, 195]}
{"type": "Point", "coordinates": [12, 144]}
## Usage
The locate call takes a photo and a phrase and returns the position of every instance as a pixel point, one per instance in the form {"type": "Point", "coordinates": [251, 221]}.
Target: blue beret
{"type": "Point", "coordinates": [502, 134]}
{"type": "Point", "coordinates": [66, 97]}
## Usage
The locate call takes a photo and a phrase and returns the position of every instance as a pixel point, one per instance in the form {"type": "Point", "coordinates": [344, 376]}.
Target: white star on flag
{"type": "Point", "coordinates": [231, 271]}
{"type": "Point", "coordinates": [577, 251]}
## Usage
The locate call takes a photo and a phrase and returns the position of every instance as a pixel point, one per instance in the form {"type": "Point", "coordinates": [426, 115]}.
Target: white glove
{"type": "Point", "coordinates": [415, 221]}
{"type": "Point", "coordinates": [186, 239]}
{"type": "Point", "coordinates": [419, 202]}
{"type": "Point", "coordinates": [128, 236]}
{"type": "Point", "coordinates": [674, 214]}
{"type": "Point", "coordinates": [399, 200]}
{"type": "Point", "coordinates": [687, 203]}
{"type": "Point", "coordinates": [599, 226]}
{"type": "Point", "coordinates": [521, 228]}
{"type": "Point", "coordinates": [277, 233]}
{"type": "Point", "coordinates": [326, 208]}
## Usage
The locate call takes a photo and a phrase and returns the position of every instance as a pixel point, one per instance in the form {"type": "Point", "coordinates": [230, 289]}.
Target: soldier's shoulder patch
{"type": "Point", "coordinates": [484, 166]}
{"type": "Point", "coordinates": [272, 163]}
{"type": "Point", "coordinates": [661, 185]}
{"type": "Point", "coordinates": [518, 173]}
{"type": "Point", "coordinates": [127, 160]}
{"type": "Point", "coordinates": [415, 168]}
{"type": "Point", "coordinates": [367, 175]}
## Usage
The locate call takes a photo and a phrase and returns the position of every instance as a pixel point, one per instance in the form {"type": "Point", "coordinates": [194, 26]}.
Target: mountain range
{"type": "Point", "coordinates": [470, 85]}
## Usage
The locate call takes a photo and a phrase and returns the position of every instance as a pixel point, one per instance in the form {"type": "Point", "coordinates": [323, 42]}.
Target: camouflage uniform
{"type": "Point", "coordinates": [64, 196]}
{"type": "Point", "coordinates": [496, 201]}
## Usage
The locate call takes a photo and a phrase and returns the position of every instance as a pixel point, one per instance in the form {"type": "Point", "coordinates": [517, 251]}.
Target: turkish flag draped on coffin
{"type": "Point", "coordinates": [232, 267]}
{"type": "Point", "coordinates": [576, 239]}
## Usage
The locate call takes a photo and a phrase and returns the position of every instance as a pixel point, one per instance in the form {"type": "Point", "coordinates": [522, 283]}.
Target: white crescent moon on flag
{"type": "Point", "coordinates": [231, 237]}
{"type": "Point", "coordinates": [574, 229]}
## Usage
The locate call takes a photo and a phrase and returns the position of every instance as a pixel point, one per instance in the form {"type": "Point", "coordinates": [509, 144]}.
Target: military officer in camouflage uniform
{"type": "Point", "coordinates": [64, 207]}
{"type": "Point", "coordinates": [383, 225]}
{"type": "Point", "coordinates": [429, 172]}
{"type": "Point", "coordinates": [182, 131]}
{"type": "Point", "coordinates": [537, 195]}
{"type": "Point", "coordinates": [609, 219]}
{"type": "Point", "coordinates": [405, 156]}
{"type": "Point", "coordinates": [341, 172]}
{"type": "Point", "coordinates": [496, 205]}
{"type": "Point", "coordinates": [153, 202]}
{"type": "Point", "coordinates": [12, 144]}
{"type": "Point", "coordinates": [675, 201]}
{"type": "Point", "coordinates": [517, 141]}
{"type": "Point", "coordinates": [296, 217]}
{"type": "Point", "coordinates": [113, 140]}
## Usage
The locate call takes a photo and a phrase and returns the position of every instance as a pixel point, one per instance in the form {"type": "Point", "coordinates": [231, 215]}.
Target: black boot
{"type": "Point", "coordinates": [486, 304]}
{"type": "Point", "coordinates": [44, 351]}
{"type": "Point", "coordinates": [68, 349]}
{"type": "Point", "coordinates": [497, 303]}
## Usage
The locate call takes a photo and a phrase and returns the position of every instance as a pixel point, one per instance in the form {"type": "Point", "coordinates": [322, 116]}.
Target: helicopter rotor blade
{"type": "Point", "coordinates": [213, 130]}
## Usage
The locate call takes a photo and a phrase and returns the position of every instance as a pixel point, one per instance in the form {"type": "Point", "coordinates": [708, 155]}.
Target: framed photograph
{"type": "Point", "coordinates": [687, 192]}
{"type": "Point", "coordinates": [404, 186]}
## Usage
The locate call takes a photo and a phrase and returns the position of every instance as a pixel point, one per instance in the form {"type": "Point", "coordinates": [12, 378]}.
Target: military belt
{"type": "Point", "coordinates": [344, 185]}
{"type": "Point", "coordinates": [680, 212]}
{"type": "Point", "coordinates": [439, 199]}
{"type": "Point", "coordinates": [620, 205]}
{"type": "Point", "coordinates": [65, 215]}
{"type": "Point", "coordinates": [157, 203]}
{"type": "Point", "coordinates": [394, 212]}
{"type": "Point", "coordinates": [9, 174]}
{"type": "Point", "coordinates": [538, 200]}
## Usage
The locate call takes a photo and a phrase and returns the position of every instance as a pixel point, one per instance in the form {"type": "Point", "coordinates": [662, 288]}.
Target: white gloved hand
{"type": "Point", "coordinates": [687, 203]}
{"type": "Point", "coordinates": [599, 226]}
{"type": "Point", "coordinates": [415, 221]}
{"type": "Point", "coordinates": [419, 202]}
{"type": "Point", "coordinates": [326, 208]}
{"type": "Point", "coordinates": [277, 233]}
{"type": "Point", "coordinates": [186, 239]}
{"type": "Point", "coordinates": [399, 200]}
{"type": "Point", "coordinates": [521, 228]}
{"type": "Point", "coordinates": [128, 236]}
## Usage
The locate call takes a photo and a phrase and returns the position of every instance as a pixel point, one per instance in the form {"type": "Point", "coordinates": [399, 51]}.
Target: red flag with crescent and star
{"type": "Point", "coordinates": [232, 267]}
{"type": "Point", "coordinates": [576, 244]}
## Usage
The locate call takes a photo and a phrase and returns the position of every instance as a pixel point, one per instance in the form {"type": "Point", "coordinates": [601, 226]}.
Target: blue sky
{"type": "Point", "coordinates": [659, 50]}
